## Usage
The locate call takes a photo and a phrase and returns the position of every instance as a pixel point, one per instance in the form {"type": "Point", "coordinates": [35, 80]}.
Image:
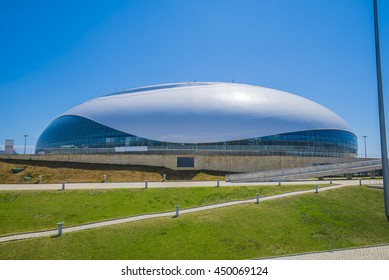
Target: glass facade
{"type": "Point", "coordinates": [74, 134]}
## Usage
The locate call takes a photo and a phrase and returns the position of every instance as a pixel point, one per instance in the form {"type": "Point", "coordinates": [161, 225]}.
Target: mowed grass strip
{"type": "Point", "coordinates": [347, 217]}
{"type": "Point", "coordinates": [23, 211]}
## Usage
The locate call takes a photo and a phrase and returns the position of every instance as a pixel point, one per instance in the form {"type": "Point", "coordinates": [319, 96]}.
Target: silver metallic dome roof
{"type": "Point", "coordinates": [207, 112]}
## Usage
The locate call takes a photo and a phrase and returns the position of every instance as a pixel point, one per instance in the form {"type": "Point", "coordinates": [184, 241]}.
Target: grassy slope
{"type": "Point", "coordinates": [56, 172]}
{"type": "Point", "coordinates": [347, 217]}
{"type": "Point", "coordinates": [22, 211]}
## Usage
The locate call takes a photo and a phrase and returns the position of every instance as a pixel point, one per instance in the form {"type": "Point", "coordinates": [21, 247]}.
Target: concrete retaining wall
{"type": "Point", "coordinates": [227, 163]}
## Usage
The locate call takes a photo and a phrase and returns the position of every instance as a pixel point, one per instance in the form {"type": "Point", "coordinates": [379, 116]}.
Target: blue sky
{"type": "Point", "coordinates": [57, 54]}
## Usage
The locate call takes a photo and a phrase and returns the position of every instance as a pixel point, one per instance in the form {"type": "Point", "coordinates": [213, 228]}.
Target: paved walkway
{"type": "Point", "coordinates": [168, 184]}
{"type": "Point", "coordinates": [365, 253]}
{"type": "Point", "coordinates": [157, 215]}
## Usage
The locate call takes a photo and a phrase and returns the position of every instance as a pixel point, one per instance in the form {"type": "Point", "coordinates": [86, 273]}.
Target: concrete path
{"type": "Point", "coordinates": [169, 184]}
{"type": "Point", "coordinates": [157, 215]}
{"type": "Point", "coordinates": [364, 253]}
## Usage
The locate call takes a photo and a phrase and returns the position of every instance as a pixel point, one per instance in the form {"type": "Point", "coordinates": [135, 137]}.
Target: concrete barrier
{"type": "Point", "coordinates": [228, 163]}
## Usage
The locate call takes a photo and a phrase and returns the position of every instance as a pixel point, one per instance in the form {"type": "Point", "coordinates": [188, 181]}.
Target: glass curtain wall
{"type": "Point", "coordinates": [74, 134]}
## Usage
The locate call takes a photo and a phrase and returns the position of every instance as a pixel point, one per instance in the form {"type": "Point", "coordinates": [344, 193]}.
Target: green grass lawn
{"type": "Point", "coordinates": [347, 217]}
{"type": "Point", "coordinates": [22, 211]}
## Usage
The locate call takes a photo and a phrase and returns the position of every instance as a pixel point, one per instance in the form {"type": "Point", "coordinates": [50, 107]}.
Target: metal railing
{"type": "Point", "coordinates": [197, 151]}
{"type": "Point", "coordinates": [306, 172]}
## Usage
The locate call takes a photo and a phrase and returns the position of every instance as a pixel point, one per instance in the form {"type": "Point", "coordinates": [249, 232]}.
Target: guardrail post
{"type": "Point", "coordinates": [257, 197]}
{"type": "Point", "coordinates": [177, 211]}
{"type": "Point", "coordinates": [279, 182]}
{"type": "Point", "coordinates": [316, 188]}
{"type": "Point", "coordinates": [360, 182]}
{"type": "Point", "coordinates": [146, 184]}
{"type": "Point", "coordinates": [63, 186]}
{"type": "Point", "coordinates": [59, 225]}
{"type": "Point", "coordinates": [331, 181]}
{"type": "Point", "coordinates": [218, 183]}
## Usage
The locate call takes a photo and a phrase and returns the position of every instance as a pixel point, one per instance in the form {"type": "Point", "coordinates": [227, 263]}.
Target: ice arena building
{"type": "Point", "coordinates": [203, 125]}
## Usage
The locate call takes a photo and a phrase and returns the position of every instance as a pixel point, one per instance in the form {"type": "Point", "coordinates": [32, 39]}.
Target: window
{"type": "Point", "coordinates": [185, 162]}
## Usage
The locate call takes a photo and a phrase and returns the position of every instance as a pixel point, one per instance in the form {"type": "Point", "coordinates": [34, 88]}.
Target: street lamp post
{"type": "Point", "coordinates": [384, 151]}
{"type": "Point", "coordinates": [25, 143]}
{"type": "Point", "coordinates": [364, 138]}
